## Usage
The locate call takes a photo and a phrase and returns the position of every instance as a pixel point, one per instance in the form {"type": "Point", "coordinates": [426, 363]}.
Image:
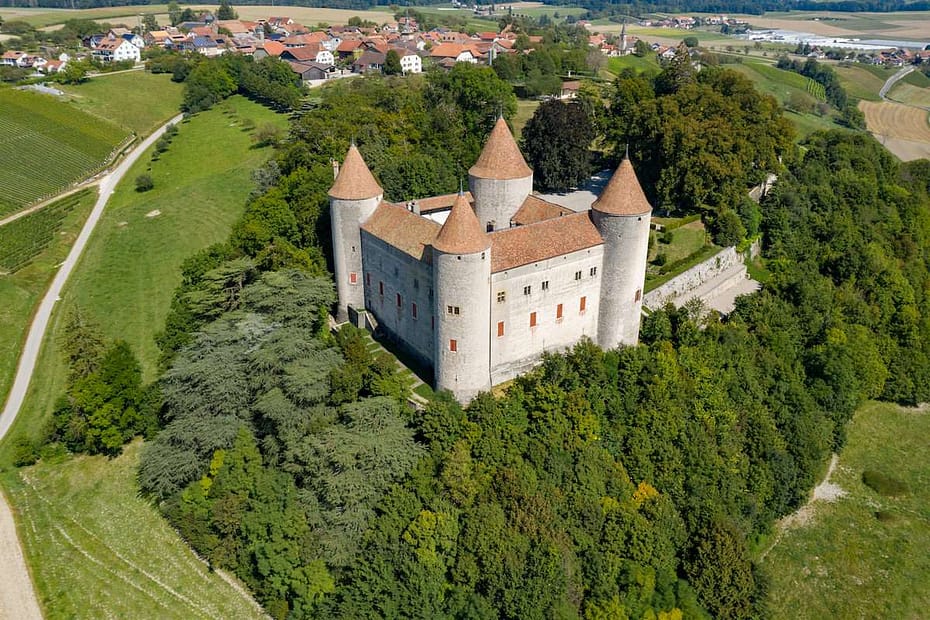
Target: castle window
{"type": "Point", "coordinates": [399, 301]}
{"type": "Point", "coordinates": [367, 279]}
{"type": "Point", "coordinates": [501, 296]}
{"type": "Point", "coordinates": [593, 271]}
{"type": "Point", "coordinates": [532, 319]}
{"type": "Point", "coordinates": [490, 227]}
{"type": "Point", "coordinates": [453, 345]}
{"type": "Point", "coordinates": [452, 310]}
{"type": "Point", "coordinates": [353, 249]}
{"type": "Point", "coordinates": [381, 288]}
{"type": "Point", "coordinates": [416, 284]}
{"type": "Point", "coordinates": [545, 285]}
{"type": "Point", "coordinates": [431, 292]}
{"type": "Point", "coordinates": [577, 275]}
{"type": "Point", "coordinates": [558, 313]}
{"type": "Point", "coordinates": [353, 278]}
{"type": "Point", "coordinates": [413, 310]}
{"type": "Point", "coordinates": [432, 323]}
{"type": "Point", "coordinates": [582, 305]}
{"type": "Point", "coordinates": [500, 329]}
{"type": "Point", "coordinates": [527, 290]}
{"type": "Point", "coordinates": [639, 294]}
{"type": "Point", "coordinates": [396, 272]}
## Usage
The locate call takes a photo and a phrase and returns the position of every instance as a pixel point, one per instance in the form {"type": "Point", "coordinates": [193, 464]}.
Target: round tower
{"type": "Point", "coordinates": [352, 199]}
{"type": "Point", "coordinates": [500, 180]}
{"type": "Point", "coordinates": [462, 298]}
{"type": "Point", "coordinates": [621, 214]}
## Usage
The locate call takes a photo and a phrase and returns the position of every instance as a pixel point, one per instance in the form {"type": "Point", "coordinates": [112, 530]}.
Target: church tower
{"type": "Point", "coordinates": [352, 199]}
{"type": "Point", "coordinates": [462, 303]}
{"type": "Point", "coordinates": [500, 180]}
{"type": "Point", "coordinates": [623, 40]}
{"type": "Point", "coordinates": [621, 214]}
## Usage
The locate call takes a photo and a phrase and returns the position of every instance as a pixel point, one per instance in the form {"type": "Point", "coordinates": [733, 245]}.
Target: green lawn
{"type": "Point", "coordinates": [525, 111]}
{"type": "Point", "coordinates": [98, 550]}
{"type": "Point", "coordinates": [131, 266]}
{"type": "Point", "coordinates": [865, 555]}
{"type": "Point", "coordinates": [45, 145]}
{"type": "Point", "coordinates": [91, 542]}
{"type": "Point", "coordinates": [21, 291]}
{"type": "Point", "coordinates": [648, 63]}
{"type": "Point", "coordinates": [863, 81]}
{"type": "Point", "coordinates": [137, 100]}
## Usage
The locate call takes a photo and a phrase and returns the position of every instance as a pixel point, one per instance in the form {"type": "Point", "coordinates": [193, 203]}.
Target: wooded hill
{"type": "Point", "coordinates": [627, 483]}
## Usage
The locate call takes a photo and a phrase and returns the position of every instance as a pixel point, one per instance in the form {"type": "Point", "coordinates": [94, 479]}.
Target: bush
{"type": "Point", "coordinates": [883, 484]}
{"type": "Point", "coordinates": [660, 259]}
{"type": "Point", "coordinates": [667, 237]}
{"type": "Point", "coordinates": [144, 183]}
{"type": "Point", "coordinates": [25, 452]}
{"type": "Point", "coordinates": [268, 134]}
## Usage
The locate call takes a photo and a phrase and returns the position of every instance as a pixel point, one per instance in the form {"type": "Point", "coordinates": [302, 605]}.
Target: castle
{"type": "Point", "coordinates": [477, 285]}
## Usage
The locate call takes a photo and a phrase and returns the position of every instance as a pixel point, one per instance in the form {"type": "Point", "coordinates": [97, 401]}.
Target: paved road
{"type": "Point", "coordinates": [894, 80]}
{"type": "Point", "coordinates": [13, 571]}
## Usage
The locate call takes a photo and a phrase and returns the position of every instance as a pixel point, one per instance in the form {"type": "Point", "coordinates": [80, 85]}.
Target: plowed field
{"type": "Point", "coordinates": [902, 129]}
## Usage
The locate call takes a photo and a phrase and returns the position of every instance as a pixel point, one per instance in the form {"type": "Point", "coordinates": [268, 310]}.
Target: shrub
{"type": "Point", "coordinates": [25, 452]}
{"type": "Point", "coordinates": [660, 259]}
{"type": "Point", "coordinates": [144, 183]}
{"type": "Point", "coordinates": [883, 484]}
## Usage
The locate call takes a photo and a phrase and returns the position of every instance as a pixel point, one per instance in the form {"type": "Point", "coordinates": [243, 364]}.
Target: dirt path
{"type": "Point", "coordinates": [17, 598]}
{"type": "Point", "coordinates": [826, 491]}
{"type": "Point", "coordinates": [13, 571]}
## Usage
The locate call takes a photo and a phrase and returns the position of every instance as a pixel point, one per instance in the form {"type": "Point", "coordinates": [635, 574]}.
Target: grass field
{"type": "Point", "coordinates": [130, 267]}
{"type": "Point", "coordinates": [78, 541]}
{"type": "Point", "coordinates": [137, 100]}
{"type": "Point", "coordinates": [863, 81]}
{"type": "Point", "coordinates": [525, 111]}
{"type": "Point", "coordinates": [45, 145]}
{"type": "Point", "coordinates": [98, 550]}
{"type": "Point", "coordinates": [864, 555]}
{"type": "Point", "coordinates": [20, 292]}
{"type": "Point", "coordinates": [647, 63]}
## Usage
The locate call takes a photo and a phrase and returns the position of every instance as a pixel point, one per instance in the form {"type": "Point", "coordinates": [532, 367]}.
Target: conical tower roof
{"type": "Point", "coordinates": [623, 194]}
{"type": "Point", "coordinates": [501, 157]}
{"type": "Point", "coordinates": [461, 233]}
{"type": "Point", "coordinates": [355, 181]}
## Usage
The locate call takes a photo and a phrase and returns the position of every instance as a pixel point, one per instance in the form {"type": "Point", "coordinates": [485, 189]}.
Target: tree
{"type": "Point", "coordinates": [144, 183]}
{"type": "Point", "coordinates": [73, 73]}
{"type": "Point", "coordinates": [690, 41]}
{"type": "Point", "coordinates": [392, 63]}
{"type": "Point", "coordinates": [225, 11]}
{"type": "Point", "coordinates": [641, 48]}
{"type": "Point", "coordinates": [556, 141]}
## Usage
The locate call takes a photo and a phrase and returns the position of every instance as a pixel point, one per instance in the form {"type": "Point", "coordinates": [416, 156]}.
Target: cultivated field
{"type": "Point", "coordinates": [902, 129]}
{"type": "Point", "coordinates": [901, 25]}
{"type": "Point", "coordinates": [136, 100]}
{"type": "Point", "coordinates": [863, 81]}
{"type": "Point", "coordinates": [45, 145]}
{"type": "Point", "coordinates": [21, 291]}
{"type": "Point", "coordinates": [100, 551]}
{"type": "Point", "coordinates": [863, 555]}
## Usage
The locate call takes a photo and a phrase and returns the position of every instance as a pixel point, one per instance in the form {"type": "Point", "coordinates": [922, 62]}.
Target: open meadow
{"type": "Point", "coordinates": [125, 281]}
{"type": "Point", "coordinates": [31, 248]}
{"type": "Point", "coordinates": [135, 100]}
{"type": "Point", "coordinates": [863, 555]}
{"type": "Point", "coordinates": [98, 550]}
{"type": "Point", "coordinates": [862, 81]}
{"type": "Point", "coordinates": [46, 144]}
{"type": "Point", "coordinates": [903, 129]}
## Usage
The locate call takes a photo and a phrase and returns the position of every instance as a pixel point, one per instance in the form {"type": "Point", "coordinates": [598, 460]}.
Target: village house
{"type": "Point", "coordinates": [116, 50]}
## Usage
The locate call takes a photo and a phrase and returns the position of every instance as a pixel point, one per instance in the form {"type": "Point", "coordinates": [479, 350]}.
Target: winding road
{"type": "Point", "coordinates": [17, 596]}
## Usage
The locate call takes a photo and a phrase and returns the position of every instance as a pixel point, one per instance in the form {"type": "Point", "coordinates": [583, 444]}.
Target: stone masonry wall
{"type": "Point", "coordinates": [693, 278]}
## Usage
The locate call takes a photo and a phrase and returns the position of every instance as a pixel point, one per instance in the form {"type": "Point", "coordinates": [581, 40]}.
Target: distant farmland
{"type": "Point", "coordinates": [45, 145]}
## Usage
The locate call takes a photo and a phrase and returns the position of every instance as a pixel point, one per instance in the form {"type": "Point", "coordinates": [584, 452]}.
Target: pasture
{"type": "Point", "coordinates": [46, 145]}
{"type": "Point", "coordinates": [913, 89]}
{"type": "Point", "coordinates": [135, 100]}
{"type": "Point", "coordinates": [863, 555]}
{"type": "Point", "coordinates": [98, 550]}
{"type": "Point", "coordinates": [21, 291]}
{"type": "Point", "coordinates": [902, 129]}
{"type": "Point", "coordinates": [862, 81]}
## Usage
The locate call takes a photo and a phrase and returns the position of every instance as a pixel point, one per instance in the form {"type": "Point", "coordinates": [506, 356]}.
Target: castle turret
{"type": "Point", "coordinates": [353, 198]}
{"type": "Point", "coordinates": [462, 298]}
{"type": "Point", "coordinates": [621, 214]}
{"type": "Point", "coordinates": [500, 180]}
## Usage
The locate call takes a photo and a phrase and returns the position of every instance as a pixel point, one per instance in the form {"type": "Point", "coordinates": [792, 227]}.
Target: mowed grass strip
{"type": "Point", "coordinates": [46, 144]}
{"type": "Point", "coordinates": [862, 81]}
{"type": "Point", "coordinates": [98, 550]}
{"type": "Point", "coordinates": [20, 291]}
{"type": "Point", "coordinates": [864, 555]}
{"type": "Point", "coordinates": [136, 100]}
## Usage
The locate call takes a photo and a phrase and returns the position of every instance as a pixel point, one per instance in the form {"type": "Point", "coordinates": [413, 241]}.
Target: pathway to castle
{"type": "Point", "coordinates": [17, 597]}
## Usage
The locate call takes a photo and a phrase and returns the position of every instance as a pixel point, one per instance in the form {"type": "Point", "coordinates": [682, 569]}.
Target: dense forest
{"type": "Point", "coordinates": [627, 483]}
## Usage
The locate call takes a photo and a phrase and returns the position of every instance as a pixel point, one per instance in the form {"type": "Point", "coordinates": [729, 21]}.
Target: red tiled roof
{"type": "Point", "coordinates": [437, 203]}
{"type": "Point", "coordinates": [523, 245]}
{"type": "Point", "coordinates": [349, 46]}
{"type": "Point", "coordinates": [308, 52]}
{"type": "Point", "coordinates": [623, 194]}
{"type": "Point", "coordinates": [461, 233]}
{"type": "Point", "coordinates": [536, 209]}
{"type": "Point", "coordinates": [448, 50]}
{"type": "Point", "coordinates": [273, 48]}
{"type": "Point", "coordinates": [355, 181]}
{"type": "Point", "coordinates": [402, 229]}
{"type": "Point", "coordinates": [500, 158]}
